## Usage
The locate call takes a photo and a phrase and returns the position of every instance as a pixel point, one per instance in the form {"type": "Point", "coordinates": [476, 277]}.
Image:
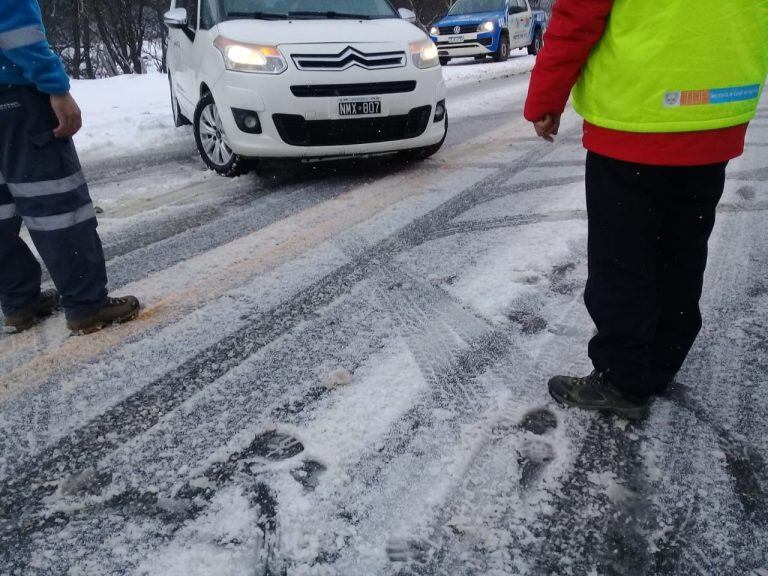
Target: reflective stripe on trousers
{"type": "Point", "coordinates": [43, 185]}
{"type": "Point", "coordinates": [7, 207]}
{"type": "Point", "coordinates": [46, 218]}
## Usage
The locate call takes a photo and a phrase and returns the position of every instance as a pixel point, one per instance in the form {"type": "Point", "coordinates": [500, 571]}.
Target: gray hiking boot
{"type": "Point", "coordinates": [115, 311]}
{"type": "Point", "coordinates": [595, 392]}
{"type": "Point", "coordinates": [46, 303]}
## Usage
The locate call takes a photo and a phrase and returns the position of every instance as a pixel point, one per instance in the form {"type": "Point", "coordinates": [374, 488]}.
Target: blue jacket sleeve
{"type": "Point", "coordinates": [23, 42]}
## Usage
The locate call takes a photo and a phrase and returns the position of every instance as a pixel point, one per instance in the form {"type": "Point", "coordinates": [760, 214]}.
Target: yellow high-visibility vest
{"type": "Point", "coordinates": [676, 66]}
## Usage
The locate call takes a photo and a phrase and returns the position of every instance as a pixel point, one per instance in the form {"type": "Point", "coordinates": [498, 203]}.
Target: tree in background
{"type": "Point", "coordinates": [98, 38]}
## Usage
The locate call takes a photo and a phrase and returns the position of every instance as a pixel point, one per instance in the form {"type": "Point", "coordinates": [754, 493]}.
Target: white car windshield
{"type": "Point", "coordinates": [476, 6]}
{"type": "Point", "coordinates": [302, 9]}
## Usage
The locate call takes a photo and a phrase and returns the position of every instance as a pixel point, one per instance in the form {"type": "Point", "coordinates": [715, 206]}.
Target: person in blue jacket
{"type": "Point", "coordinates": [42, 184]}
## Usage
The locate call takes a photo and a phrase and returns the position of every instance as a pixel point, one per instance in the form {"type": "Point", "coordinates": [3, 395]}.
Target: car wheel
{"type": "Point", "coordinates": [444, 61]}
{"type": "Point", "coordinates": [178, 118]}
{"type": "Point", "coordinates": [537, 44]}
{"type": "Point", "coordinates": [502, 52]}
{"type": "Point", "coordinates": [212, 142]}
{"type": "Point", "coordinates": [419, 154]}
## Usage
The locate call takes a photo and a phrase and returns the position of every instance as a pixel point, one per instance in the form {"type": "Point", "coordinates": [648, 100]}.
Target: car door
{"type": "Point", "coordinates": [180, 55]}
{"type": "Point", "coordinates": [526, 23]}
{"type": "Point", "coordinates": [519, 23]}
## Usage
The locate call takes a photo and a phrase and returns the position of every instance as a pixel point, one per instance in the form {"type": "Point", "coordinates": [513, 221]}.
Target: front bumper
{"type": "Point", "coordinates": [274, 101]}
{"type": "Point", "coordinates": [470, 45]}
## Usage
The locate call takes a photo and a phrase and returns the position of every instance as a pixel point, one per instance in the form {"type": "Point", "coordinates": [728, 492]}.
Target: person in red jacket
{"type": "Point", "coordinates": [651, 199]}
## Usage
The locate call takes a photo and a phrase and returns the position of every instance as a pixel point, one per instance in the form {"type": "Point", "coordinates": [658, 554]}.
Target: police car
{"type": "Point", "coordinates": [483, 28]}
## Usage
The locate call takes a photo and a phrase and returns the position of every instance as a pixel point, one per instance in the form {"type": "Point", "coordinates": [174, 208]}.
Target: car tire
{"type": "Point", "coordinates": [537, 44]}
{"type": "Point", "coordinates": [178, 118]}
{"type": "Point", "coordinates": [212, 143]}
{"type": "Point", "coordinates": [420, 154]}
{"type": "Point", "coordinates": [502, 52]}
{"type": "Point", "coordinates": [444, 61]}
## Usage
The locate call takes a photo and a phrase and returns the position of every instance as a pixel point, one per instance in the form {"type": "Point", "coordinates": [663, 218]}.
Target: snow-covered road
{"type": "Point", "coordinates": [341, 370]}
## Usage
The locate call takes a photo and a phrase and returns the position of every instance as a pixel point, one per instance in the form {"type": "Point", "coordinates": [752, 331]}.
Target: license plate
{"type": "Point", "coordinates": [455, 39]}
{"type": "Point", "coordinates": [366, 107]}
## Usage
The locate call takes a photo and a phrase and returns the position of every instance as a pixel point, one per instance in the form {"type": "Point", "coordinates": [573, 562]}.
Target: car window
{"type": "Point", "coordinates": [208, 14]}
{"type": "Point", "coordinates": [301, 9]}
{"type": "Point", "coordinates": [517, 6]}
{"type": "Point", "coordinates": [475, 6]}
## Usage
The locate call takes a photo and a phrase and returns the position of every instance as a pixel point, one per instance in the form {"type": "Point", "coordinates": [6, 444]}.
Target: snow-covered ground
{"type": "Point", "coordinates": [124, 115]}
{"type": "Point", "coordinates": [340, 370]}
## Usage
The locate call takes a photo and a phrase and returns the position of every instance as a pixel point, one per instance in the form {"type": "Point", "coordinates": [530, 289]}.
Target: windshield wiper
{"type": "Point", "coordinates": [258, 15]}
{"type": "Point", "coordinates": [330, 15]}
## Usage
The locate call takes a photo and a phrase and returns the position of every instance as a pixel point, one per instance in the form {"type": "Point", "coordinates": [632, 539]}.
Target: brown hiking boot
{"type": "Point", "coordinates": [46, 303]}
{"type": "Point", "coordinates": [115, 311]}
{"type": "Point", "coordinates": [595, 392]}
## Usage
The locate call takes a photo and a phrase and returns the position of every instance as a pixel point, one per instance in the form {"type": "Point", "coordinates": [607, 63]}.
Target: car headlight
{"type": "Point", "coordinates": [424, 54]}
{"type": "Point", "coordinates": [434, 31]}
{"type": "Point", "coordinates": [486, 26]}
{"type": "Point", "coordinates": [243, 57]}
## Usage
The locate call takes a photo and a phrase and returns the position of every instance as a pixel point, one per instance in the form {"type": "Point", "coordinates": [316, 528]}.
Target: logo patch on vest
{"type": "Point", "coordinates": [9, 106]}
{"type": "Point", "coordinates": [711, 97]}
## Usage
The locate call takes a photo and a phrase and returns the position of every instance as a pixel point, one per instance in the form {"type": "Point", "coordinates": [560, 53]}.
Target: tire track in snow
{"type": "Point", "coordinates": [281, 384]}
{"type": "Point", "coordinates": [464, 381]}
{"type": "Point", "coordinates": [726, 402]}
{"type": "Point", "coordinates": [420, 437]}
{"type": "Point", "coordinates": [621, 545]}
{"type": "Point", "coordinates": [422, 318]}
{"type": "Point", "coordinates": [136, 500]}
{"type": "Point", "coordinates": [348, 205]}
{"type": "Point", "coordinates": [141, 411]}
{"type": "Point", "coordinates": [185, 287]}
{"type": "Point", "coordinates": [626, 547]}
{"type": "Point", "coordinates": [485, 523]}
{"type": "Point", "coordinates": [256, 205]}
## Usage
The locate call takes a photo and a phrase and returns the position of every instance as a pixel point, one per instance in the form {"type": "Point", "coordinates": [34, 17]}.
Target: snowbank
{"type": "Point", "coordinates": [469, 71]}
{"type": "Point", "coordinates": [125, 115]}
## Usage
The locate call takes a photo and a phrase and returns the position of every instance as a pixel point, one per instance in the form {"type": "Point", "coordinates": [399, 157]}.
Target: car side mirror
{"type": "Point", "coordinates": [408, 15]}
{"type": "Point", "coordinates": [176, 18]}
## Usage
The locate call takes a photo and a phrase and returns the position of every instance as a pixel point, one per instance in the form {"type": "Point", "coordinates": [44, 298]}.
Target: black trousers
{"type": "Point", "coordinates": [648, 232]}
{"type": "Point", "coordinates": [41, 183]}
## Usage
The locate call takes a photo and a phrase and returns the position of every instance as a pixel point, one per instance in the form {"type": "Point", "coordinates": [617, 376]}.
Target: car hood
{"type": "Point", "coordinates": [459, 19]}
{"type": "Point", "coordinates": [277, 33]}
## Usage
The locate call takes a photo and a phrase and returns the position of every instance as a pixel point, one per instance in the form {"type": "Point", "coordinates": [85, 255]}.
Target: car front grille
{"type": "Point", "coordinates": [368, 89]}
{"type": "Point", "coordinates": [348, 58]}
{"type": "Point", "coordinates": [465, 29]}
{"type": "Point", "coordinates": [468, 44]}
{"type": "Point", "coordinates": [297, 131]}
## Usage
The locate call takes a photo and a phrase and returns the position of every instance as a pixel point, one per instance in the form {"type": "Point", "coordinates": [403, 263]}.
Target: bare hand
{"type": "Point", "coordinates": [68, 114]}
{"type": "Point", "coordinates": [548, 127]}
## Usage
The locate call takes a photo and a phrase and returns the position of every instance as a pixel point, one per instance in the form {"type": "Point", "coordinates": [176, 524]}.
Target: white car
{"type": "Point", "coordinates": [303, 79]}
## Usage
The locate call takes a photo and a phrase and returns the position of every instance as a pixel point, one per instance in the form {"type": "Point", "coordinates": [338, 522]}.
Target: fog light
{"type": "Point", "coordinates": [247, 121]}
{"type": "Point", "coordinates": [251, 122]}
{"type": "Point", "coordinates": [440, 111]}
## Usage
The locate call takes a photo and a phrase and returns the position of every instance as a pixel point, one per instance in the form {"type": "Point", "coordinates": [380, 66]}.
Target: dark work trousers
{"type": "Point", "coordinates": [648, 232]}
{"type": "Point", "coordinates": [42, 184]}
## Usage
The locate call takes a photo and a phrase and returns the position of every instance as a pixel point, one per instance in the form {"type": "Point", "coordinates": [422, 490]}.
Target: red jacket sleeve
{"type": "Point", "coordinates": [575, 28]}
